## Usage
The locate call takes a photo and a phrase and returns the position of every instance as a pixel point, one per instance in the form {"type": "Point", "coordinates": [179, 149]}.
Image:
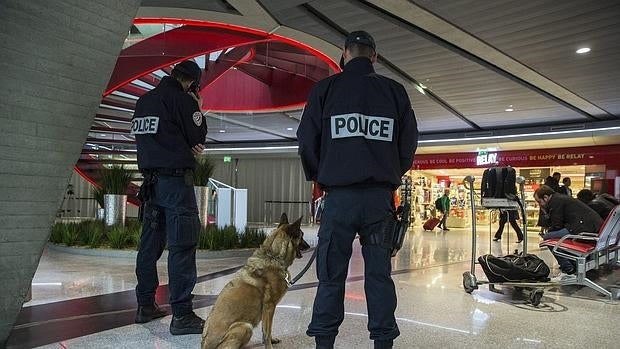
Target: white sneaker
{"type": "Point", "coordinates": [562, 277]}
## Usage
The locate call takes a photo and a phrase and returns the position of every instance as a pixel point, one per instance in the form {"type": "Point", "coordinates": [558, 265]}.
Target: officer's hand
{"type": "Point", "coordinates": [198, 149]}
{"type": "Point", "coordinates": [196, 96]}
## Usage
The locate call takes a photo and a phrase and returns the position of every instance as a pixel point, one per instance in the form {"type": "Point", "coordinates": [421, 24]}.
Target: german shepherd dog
{"type": "Point", "coordinates": [255, 290]}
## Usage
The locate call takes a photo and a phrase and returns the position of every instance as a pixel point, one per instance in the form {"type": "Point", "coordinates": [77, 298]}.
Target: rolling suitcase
{"type": "Point", "coordinates": [431, 223]}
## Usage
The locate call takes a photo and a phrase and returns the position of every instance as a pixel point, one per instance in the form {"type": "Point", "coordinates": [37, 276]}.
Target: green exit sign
{"type": "Point", "coordinates": [227, 159]}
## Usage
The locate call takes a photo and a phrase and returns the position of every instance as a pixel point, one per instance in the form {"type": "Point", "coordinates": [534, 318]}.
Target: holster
{"type": "Point", "coordinates": [401, 225]}
{"type": "Point", "coordinates": [392, 235]}
{"type": "Point", "coordinates": [145, 192]}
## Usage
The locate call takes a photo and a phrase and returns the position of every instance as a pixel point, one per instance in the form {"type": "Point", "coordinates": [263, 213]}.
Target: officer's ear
{"type": "Point", "coordinates": [373, 59]}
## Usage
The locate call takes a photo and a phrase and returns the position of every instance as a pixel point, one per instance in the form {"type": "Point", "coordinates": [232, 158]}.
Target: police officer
{"type": "Point", "coordinates": [357, 137]}
{"type": "Point", "coordinates": [169, 129]}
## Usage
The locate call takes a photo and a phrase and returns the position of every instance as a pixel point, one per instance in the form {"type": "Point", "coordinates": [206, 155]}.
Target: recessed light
{"type": "Point", "coordinates": [222, 131]}
{"type": "Point", "coordinates": [289, 129]}
{"type": "Point", "coordinates": [510, 109]}
{"type": "Point", "coordinates": [583, 50]}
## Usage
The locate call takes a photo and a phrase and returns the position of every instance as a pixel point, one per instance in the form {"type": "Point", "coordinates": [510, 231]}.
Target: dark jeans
{"type": "Point", "coordinates": [347, 212]}
{"type": "Point", "coordinates": [442, 222]}
{"type": "Point", "coordinates": [503, 218]}
{"type": "Point", "coordinates": [171, 217]}
{"type": "Point", "coordinates": [566, 265]}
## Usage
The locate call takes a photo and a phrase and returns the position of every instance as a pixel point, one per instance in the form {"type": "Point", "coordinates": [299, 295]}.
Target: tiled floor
{"type": "Point", "coordinates": [88, 302]}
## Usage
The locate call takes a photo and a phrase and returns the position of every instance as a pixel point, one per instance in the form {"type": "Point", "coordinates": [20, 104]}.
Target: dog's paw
{"type": "Point", "coordinates": [274, 340]}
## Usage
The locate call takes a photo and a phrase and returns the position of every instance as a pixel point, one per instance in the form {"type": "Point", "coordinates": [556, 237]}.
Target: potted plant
{"type": "Point", "coordinates": [203, 171]}
{"type": "Point", "coordinates": [98, 195]}
{"type": "Point", "coordinates": [114, 183]}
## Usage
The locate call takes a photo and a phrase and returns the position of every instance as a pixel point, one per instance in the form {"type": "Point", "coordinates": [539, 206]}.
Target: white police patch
{"type": "Point", "coordinates": [145, 125]}
{"type": "Point", "coordinates": [359, 125]}
{"type": "Point", "coordinates": [197, 116]}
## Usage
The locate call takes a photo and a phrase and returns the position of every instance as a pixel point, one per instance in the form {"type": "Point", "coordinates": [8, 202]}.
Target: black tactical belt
{"type": "Point", "coordinates": [173, 172]}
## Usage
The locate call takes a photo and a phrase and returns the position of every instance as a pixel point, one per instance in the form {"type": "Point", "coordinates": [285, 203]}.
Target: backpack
{"type": "Point", "coordinates": [514, 268]}
{"type": "Point", "coordinates": [438, 204]}
{"type": "Point", "coordinates": [499, 183]}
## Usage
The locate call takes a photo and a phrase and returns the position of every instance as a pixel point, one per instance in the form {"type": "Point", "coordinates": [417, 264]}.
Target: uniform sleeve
{"type": "Point", "coordinates": [408, 136]}
{"type": "Point", "coordinates": [309, 136]}
{"type": "Point", "coordinates": [193, 123]}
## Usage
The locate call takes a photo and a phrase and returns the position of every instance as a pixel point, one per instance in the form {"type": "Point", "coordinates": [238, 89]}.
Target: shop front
{"type": "Point", "coordinates": [596, 168]}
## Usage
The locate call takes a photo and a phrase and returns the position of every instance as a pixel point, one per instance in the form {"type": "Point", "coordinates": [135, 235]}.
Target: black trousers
{"type": "Point", "coordinates": [347, 212]}
{"type": "Point", "coordinates": [170, 216]}
{"type": "Point", "coordinates": [503, 218]}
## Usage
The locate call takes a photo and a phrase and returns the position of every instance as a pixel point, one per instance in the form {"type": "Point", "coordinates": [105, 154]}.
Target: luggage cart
{"type": "Point", "coordinates": [534, 290]}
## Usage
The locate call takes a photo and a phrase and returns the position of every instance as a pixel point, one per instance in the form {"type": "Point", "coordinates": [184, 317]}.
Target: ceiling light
{"type": "Point", "coordinates": [583, 50]}
{"type": "Point", "coordinates": [510, 109]}
{"type": "Point", "coordinates": [289, 129]}
{"type": "Point", "coordinates": [222, 131]}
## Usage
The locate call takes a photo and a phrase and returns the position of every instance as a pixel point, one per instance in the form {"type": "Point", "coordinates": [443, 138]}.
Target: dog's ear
{"type": "Point", "coordinates": [283, 219]}
{"type": "Point", "coordinates": [294, 228]}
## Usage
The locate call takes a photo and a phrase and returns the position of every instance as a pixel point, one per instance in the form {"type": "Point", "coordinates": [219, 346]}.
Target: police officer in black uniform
{"type": "Point", "coordinates": [169, 129]}
{"type": "Point", "coordinates": [357, 138]}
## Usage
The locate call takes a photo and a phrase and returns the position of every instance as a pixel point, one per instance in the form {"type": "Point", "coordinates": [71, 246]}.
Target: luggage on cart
{"type": "Point", "coordinates": [499, 183]}
{"type": "Point", "coordinates": [513, 268]}
{"type": "Point", "coordinates": [431, 223]}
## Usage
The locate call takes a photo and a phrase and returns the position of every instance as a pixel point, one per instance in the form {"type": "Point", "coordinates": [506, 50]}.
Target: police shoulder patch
{"type": "Point", "coordinates": [197, 117]}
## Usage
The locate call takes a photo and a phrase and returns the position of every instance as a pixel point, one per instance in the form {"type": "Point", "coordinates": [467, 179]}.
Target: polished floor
{"type": "Point", "coordinates": [88, 302]}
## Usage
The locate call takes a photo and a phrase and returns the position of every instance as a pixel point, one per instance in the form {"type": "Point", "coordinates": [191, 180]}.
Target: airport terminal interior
{"type": "Point", "coordinates": [531, 85]}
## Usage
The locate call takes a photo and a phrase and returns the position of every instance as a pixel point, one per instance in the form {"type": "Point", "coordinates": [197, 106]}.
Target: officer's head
{"type": "Point", "coordinates": [358, 44]}
{"type": "Point", "coordinates": [188, 74]}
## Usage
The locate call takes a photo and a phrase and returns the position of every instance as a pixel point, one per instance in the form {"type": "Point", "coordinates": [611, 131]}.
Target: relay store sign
{"type": "Point", "coordinates": [596, 155]}
{"type": "Point", "coordinates": [485, 158]}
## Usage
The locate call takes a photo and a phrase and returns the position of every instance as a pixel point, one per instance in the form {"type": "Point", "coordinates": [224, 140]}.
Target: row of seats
{"type": "Point", "coordinates": [590, 251]}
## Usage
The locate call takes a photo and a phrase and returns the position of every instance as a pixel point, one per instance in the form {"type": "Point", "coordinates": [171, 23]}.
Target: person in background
{"type": "Point", "coordinates": [511, 216]}
{"type": "Point", "coordinates": [566, 216]}
{"type": "Point", "coordinates": [565, 188]}
{"type": "Point", "coordinates": [359, 167]}
{"type": "Point", "coordinates": [598, 203]}
{"type": "Point", "coordinates": [553, 181]}
{"type": "Point", "coordinates": [444, 208]}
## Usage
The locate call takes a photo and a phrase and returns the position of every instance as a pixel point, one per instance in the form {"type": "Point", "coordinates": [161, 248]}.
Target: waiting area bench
{"type": "Point", "coordinates": [590, 251]}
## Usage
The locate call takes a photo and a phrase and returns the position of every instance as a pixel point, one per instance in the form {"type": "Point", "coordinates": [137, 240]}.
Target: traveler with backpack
{"type": "Point", "coordinates": [442, 204]}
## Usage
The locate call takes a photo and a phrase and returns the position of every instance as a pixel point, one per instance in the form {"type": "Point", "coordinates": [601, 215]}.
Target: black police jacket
{"type": "Point", "coordinates": [167, 123]}
{"type": "Point", "coordinates": [357, 128]}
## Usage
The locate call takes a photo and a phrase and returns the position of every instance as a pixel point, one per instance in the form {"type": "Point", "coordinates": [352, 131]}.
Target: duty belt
{"type": "Point", "coordinates": [173, 172]}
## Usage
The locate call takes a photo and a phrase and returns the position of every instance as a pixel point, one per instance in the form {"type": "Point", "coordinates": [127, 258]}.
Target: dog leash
{"type": "Point", "coordinates": [303, 271]}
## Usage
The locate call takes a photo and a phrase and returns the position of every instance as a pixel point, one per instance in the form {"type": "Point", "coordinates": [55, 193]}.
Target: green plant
{"type": "Point", "coordinates": [118, 237]}
{"type": "Point", "coordinates": [252, 238]}
{"type": "Point", "coordinates": [216, 239]}
{"type": "Point", "coordinates": [91, 233]}
{"type": "Point", "coordinates": [115, 180]}
{"type": "Point", "coordinates": [203, 171]}
{"type": "Point", "coordinates": [134, 231]}
{"type": "Point", "coordinates": [206, 238]}
{"type": "Point", "coordinates": [57, 233]}
{"type": "Point", "coordinates": [70, 234]}
{"type": "Point", "coordinates": [98, 194]}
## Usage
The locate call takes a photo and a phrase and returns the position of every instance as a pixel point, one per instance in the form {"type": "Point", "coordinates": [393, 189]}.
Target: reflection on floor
{"type": "Point", "coordinates": [88, 302]}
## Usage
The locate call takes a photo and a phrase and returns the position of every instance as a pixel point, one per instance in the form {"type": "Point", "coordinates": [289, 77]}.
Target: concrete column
{"type": "Point", "coordinates": [55, 60]}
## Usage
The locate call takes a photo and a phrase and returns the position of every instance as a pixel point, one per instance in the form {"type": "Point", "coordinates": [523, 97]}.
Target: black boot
{"type": "Point", "coordinates": [384, 344]}
{"type": "Point", "coordinates": [324, 342]}
{"type": "Point", "coordinates": [189, 323]}
{"type": "Point", "coordinates": [147, 313]}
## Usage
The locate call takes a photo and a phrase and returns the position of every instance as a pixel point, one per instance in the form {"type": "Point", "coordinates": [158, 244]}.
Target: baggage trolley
{"type": "Point", "coordinates": [534, 290]}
